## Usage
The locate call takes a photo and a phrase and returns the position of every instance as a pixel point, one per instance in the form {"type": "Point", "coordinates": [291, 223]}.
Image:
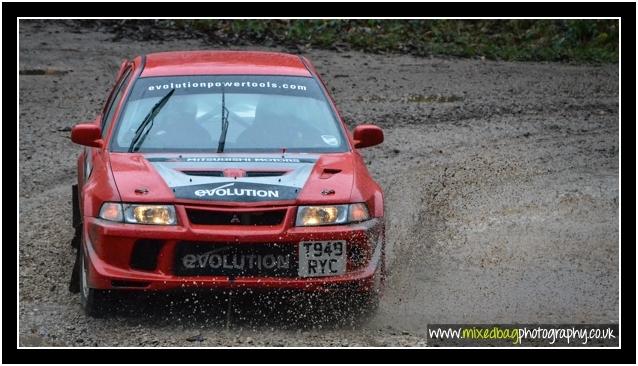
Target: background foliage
{"type": "Point", "coordinates": [511, 40]}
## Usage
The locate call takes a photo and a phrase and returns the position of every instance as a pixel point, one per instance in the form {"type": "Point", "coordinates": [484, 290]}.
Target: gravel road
{"type": "Point", "coordinates": [501, 184]}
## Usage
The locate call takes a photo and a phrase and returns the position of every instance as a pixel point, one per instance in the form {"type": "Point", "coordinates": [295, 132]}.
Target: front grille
{"type": "Point", "coordinates": [357, 256]}
{"type": "Point", "coordinates": [145, 254]}
{"type": "Point", "coordinates": [117, 283]}
{"type": "Point", "coordinates": [232, 259]}
{"type": "Point", "coordinates": [255, 218]}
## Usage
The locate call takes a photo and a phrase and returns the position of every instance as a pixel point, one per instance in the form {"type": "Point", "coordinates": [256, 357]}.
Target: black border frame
{"type": "Point", "coordinates": [627, 354]}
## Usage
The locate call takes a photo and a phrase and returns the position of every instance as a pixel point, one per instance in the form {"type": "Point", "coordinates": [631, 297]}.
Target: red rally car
{"type": "Point", "coordinates": [225, 170]}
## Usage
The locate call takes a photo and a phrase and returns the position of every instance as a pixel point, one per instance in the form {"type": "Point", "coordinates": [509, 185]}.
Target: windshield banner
{"type": "Point", "coordinates": [246, 84]}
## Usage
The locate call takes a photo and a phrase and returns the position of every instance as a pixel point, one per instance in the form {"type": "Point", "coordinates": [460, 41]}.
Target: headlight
{"type": "Point", "coordinates": [139, 213]}
{"type": "Point", "coordinates": [150, 214]}
{"type": "Point", "coordinates": [331, 215]}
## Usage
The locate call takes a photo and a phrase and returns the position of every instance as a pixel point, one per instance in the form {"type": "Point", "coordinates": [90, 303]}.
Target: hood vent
{"type": "Point", "coordinates": [204, 173]}
{"type": "Point", "coordinates": [219, 173]}
{"type": "Point", "coordinates": [265, 174]}
{"type": "Point", "coordinates": [328, 172]}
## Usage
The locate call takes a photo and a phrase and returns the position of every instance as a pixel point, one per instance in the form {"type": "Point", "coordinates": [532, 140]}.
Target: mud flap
{"type": "Point", "coordinates": [77, 219]}
{"type": "Point", "coordinates": [76, 205]}
{"type": "Point", "coordinates": [74, 283]}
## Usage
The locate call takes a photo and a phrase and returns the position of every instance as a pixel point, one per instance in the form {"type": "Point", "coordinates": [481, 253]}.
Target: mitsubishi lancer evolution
{"type": "Point", "coordinates": [224, 170]}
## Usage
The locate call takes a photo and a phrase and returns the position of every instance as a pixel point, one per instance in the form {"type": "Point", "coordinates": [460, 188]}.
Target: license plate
{"type": "Point", "coordinates": [322, 258]}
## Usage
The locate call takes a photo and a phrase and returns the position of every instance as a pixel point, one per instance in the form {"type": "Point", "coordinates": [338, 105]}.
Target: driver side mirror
{"type": "Point", "coordinates": [87, 134]}
{"type": "Point", "coordinates": [367, 135]}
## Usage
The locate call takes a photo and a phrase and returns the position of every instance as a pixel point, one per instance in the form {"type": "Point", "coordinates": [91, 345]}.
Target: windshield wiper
{"type": "Point", "coordinates": [142, 131]}
{"type": "Point", "coordinates": [225, 112]}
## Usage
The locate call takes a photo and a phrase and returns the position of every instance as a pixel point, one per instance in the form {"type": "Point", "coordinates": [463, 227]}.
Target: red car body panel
{"type": "Point", "coordinates": [223, 63]}
{"type": "Point", "coordinates": [110, 176]}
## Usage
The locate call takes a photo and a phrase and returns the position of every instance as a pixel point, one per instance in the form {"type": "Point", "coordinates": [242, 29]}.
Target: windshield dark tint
{"type": "Point", "coordinates": [265, 113]}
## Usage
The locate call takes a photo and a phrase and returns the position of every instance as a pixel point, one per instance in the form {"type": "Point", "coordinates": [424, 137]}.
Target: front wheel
{"type": "Point", "coordinates": [368, 303]}
{"type": "Point", "coordinates": [369, 300]}
{"type": "Point", "coordinates": [93, 301]}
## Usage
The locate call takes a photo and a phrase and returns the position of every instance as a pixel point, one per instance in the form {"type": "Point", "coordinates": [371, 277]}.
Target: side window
{"type": "Point", "coordinates": [115, 100]}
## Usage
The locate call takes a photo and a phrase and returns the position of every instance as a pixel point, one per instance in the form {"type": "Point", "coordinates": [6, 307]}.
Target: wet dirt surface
{"type": "Point", "coordinates": [501, 190]}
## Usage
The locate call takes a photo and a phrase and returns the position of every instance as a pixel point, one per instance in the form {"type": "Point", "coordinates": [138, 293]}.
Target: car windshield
{"type": "Point", "coordinates": [264, 114]}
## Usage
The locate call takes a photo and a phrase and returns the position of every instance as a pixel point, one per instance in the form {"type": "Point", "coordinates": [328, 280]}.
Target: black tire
{"type": "Point", "coordinates": [347, 307]}
{"type": "Point", "coordinates": [94, 302]}
{"type": "Point", "coordinates": [368, 303]}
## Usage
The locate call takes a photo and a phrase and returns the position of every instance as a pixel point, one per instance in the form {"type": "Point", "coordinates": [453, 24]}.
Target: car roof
{"type": "Point", "coordinates": [223, 63]}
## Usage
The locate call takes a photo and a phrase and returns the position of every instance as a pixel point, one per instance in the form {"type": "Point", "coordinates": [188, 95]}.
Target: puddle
{"type": "Point", "coordinates": [413, 98]}
{"type": "Point", "coordinates": [418, 98]}
{"type": "Point", "coordinates": [44, 72]}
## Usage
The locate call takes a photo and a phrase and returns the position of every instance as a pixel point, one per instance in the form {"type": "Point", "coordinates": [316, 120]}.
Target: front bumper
{"type": "Point", "coordinates": [109, 248]}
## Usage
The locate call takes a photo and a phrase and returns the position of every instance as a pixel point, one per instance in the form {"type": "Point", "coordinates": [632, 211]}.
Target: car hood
{"type": "Point", "coordinates": [225, 179]}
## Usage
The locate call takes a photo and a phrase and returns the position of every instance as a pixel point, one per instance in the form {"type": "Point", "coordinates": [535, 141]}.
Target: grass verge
{"type": "Point", "coordinates": [580, 41]}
